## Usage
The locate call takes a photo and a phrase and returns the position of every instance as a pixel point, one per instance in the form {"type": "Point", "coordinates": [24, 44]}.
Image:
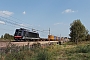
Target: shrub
{"type": "Point", "coordinates": [14, 56]}
{"type": "Point", "coordinates": [44, 55]}
{"type": "Point", "coordinates": [83, 49]}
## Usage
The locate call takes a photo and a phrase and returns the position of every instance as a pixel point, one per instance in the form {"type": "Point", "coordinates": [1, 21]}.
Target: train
{"type": "Point", "coordinates": [22, 34]}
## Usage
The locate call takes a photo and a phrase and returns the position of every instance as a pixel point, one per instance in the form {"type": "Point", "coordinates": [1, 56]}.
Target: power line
{"type": "Point", "coordinates": [19, 19]}
{"type": "Point", "coordinates": [12, 22]}
{"type": "Point", "coordinates": [11, 17]}
{"type": "Point", "coordinates": [5, 29]}
{"type": "Point", "coordinates": [16, 23]}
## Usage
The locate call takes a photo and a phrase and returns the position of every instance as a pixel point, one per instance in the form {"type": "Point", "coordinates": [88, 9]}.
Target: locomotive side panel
{"type": "Point", "coordinates": [24, 34]}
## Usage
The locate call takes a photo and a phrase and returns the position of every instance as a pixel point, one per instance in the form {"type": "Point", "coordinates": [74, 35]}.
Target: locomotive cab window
{"type": "Point", "coordinates": [18, 33]}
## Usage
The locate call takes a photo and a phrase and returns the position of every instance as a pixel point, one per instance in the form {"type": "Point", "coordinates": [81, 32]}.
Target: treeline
{"type": "Point", "coordinates": [78, 32]}
{"type": "Point", "coordinates": [7, 36]}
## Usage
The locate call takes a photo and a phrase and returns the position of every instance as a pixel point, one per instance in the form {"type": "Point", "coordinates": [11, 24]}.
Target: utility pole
{"type": "Point", "coordinates": [60, 35]}
{"type": "Point", "coordinates": [49, 35]}
{"type": "Point", "coordinates": [49, 31]}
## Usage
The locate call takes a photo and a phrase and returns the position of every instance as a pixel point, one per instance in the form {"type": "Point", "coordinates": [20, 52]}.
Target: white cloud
{"type": "Point", "coordinates": [24, 12]}
{"type": "Point", "coordinates": [61, 23]}
{"type": "Point", "coordinates": [6, 13]}
{"type": "Point", "coordinates": [2, 22]}
{"type": "Point", "coordinates": [28, 25]}
{"type": "Point", "coordinates": [69, 11]}
{"type": "Point", "coordinates": [25, 25]}
{"type": "Point", "coordinates": [58, 23]}
{"type": "Point", "coordinates": [22, 25]}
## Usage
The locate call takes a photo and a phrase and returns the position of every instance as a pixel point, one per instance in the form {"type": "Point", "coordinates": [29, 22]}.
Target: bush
{"type": "Point", "coordinates": [14, 56]}
{"type": "Point", "coordinates": [44, 55]}
{"type": "Point", "coordinates": [83, 49]}
{"type": "Point", "coordinates": [79, 49]}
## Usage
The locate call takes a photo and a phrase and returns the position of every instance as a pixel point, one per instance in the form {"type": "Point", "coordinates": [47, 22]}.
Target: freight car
{"type": "Point", "coordinates": [24, 34]}
{"type": "Point", "coordinates": [53, 38]}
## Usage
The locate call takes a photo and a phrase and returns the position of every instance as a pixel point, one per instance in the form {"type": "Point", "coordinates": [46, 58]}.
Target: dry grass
{"type": "Point", "coordinates": [52, 52]}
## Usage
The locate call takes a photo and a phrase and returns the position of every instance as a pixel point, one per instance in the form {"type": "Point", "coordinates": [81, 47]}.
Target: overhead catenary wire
{"type": "Point", "coordinates": [12, 17]}
{"type": "Point", "coordinates": [25, 27]}
{"type": "Point", "coordinates": [16, 23]}
{"type": "Point", "coordinates": [5, 29]}
{"type": "Point", "coordinates": [13, 23]}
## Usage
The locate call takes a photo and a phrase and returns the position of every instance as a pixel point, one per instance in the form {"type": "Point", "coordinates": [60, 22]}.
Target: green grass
{"type": "Point", "coordinates": [66, 51]}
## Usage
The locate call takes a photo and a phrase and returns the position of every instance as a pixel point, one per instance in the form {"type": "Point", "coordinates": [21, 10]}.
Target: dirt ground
{"type": "Point", "coordinates": [4, 44]}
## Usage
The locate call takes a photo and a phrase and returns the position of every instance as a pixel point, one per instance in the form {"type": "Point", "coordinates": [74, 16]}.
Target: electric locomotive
{"type": "Point", "coordinates": [24, 34]}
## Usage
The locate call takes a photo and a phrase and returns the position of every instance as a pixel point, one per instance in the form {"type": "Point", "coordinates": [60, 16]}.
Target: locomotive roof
{"type": "Point", "coordinates": [26, 30]}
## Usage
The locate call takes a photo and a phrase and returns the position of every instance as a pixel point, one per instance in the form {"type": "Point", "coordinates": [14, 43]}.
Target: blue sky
{"type": "Point", "coordinates": [43, 14]}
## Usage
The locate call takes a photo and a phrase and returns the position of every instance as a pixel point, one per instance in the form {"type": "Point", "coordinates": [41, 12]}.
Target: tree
{"type": "Point", "coordinates": [2, 37]}
{"type": "Point", "coordinates": [8, 36]}
{"type": "Point", "coordinates": [88, 37]}
{"type": "Point", "coordinates": [78, 31]}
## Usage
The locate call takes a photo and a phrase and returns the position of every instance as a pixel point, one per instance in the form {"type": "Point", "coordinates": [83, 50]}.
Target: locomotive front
{"type": "Point", "coordinates": [18, 34]}
{"type": "Point", "coordinates": [24, 34]}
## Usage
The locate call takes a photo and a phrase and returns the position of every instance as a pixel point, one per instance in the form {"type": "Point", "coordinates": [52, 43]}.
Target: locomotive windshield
{"type": "Point", "coordinates": [18, 32]}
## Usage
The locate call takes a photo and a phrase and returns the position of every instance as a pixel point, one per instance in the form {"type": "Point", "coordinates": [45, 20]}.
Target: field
{"type": "Point", "coordinates": [67, 51]}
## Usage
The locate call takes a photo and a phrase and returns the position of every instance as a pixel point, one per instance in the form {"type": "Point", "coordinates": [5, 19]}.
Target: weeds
{"type": "Point", "coordinates": [50, 52]}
